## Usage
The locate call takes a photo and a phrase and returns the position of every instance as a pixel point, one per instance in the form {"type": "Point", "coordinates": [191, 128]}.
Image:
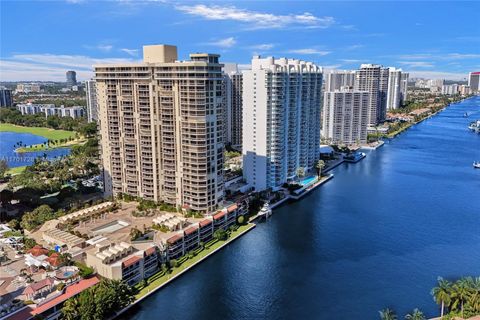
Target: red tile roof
{"type": "Point", "coordinates": [150, 251]}
{"type": "Point", "coordinates": [70, 291]}
{"type": "Point", "coordinates": [131, 261]}
{"type": "Point", "coordinates": [205, 222]}
{"type": "Point", "coordinates": [191, 230]}
{"type": "Point", "coordinates": [232, 208]}
{"type": "Point", "coordinates": [174, 239]}
{"type": "Point", "coordinates": [34, 287]}
{"type": "Point", "coordinates": [54, 259]}
{"type": "Point", "coordinates": [219, 215]}
{"type": "Point", "coordinates": [38, 251]}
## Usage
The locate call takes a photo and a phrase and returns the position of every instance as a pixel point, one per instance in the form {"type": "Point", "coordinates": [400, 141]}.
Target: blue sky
{"type": "Point", "coordinates": [40, 40]}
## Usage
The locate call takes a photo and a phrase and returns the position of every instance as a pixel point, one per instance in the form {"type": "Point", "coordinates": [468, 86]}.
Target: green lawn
{"type": "Point", "coordinates": [160, 278]}
{"type": "Point", "coordinates": [48, 133]}
{"type": "Point", "coordinates": [16, 170]}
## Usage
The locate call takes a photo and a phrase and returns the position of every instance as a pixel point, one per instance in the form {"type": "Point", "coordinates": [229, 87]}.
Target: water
{"type": "Point", "coordinates": [307, 181]}
{"type": "Point", "coordinates": [375, 236]}
{"type": "Point", "coordinates": [7, 149]}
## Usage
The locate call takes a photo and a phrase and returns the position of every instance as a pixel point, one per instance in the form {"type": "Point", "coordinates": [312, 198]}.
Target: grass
{"type": "Point", "coordinates": [47, 133]}
{"type": "Point", "coordinates": [16, 170]}
{"type": "Point", "coordinates": [43, 147]}
{"type": "Point", "coordinates": [161, 277]}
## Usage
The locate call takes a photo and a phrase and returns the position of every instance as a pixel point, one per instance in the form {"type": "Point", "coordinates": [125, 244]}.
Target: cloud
{"type": "Point", "coordinates": [223, 43]}
{"type": "Point", "coordinates": [440, 56]}
{"type": "Point", "coordinates": [354, 47]}
{"type": "Point", "coordinates": [254, 19]}
{"type": "Point", "coordinates": [437, 75]}
{"type": "Point", "coordinates": [351, 60]}
{"type": "Point", "coordinates": [417, 64]}
{"type": "Point", "coordinates": [100, 47]}
{"type": "Point", "coordinates": [331, 67]}
{"type": "Point", "coordinates": [50, 67]}
{"type": "Point", "coordinates": [309, 51]}
{"type": "Point", "coordinates": [131, 52]}
{"type": "Point", "coordinates": [263, 46]}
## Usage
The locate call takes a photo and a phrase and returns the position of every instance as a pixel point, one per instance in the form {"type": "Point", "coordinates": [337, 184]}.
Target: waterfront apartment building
{"type": "Point", "coordinates": [123, 261]}
{"type": "Point", "coordinates": [51, 110]}
{"type": "Point", "coordinates": [91, 95]}
{"type": "Point", "coordinates": [233, 83]}
{"type": "Point", "coordinates": [345, 116]}
{"type": "Point", "coordinates": [161, 128]}
{"type": "Point", "coordinates": [338, 80]}
{"type": "Point", "coordinates": [450, 89]}
{"type": "Point", "coordinates": [404, 87]}
{"type": "Point", "coordinates": [281, 120]}
{"type": "Point", "coordinates": [394, 98]}
{"type": "Point", "coordinates": [474, 82]}
{"type": "Point", "coordinates": [71, 78]}
{"type": "Point", "coordinates": [6, 99]}
{"type": "Point", "coordinates": [374, 79]}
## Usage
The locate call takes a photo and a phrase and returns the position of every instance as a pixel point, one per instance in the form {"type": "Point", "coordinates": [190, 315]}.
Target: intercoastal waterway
{"type": "Point", "coordinates": [378, 235]}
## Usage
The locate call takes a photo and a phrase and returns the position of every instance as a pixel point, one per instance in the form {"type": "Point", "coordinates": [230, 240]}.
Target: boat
{"type": "Point", "coordinates": [476, 164]}
{"type": "Point", "coordinates": [465, 115]}
{"type": "Point", "coordinates": [354, 157]}
{"type": "Point", "coordinates": [266, 211]}
{"type": "Point", "coordinates": [475, 126]}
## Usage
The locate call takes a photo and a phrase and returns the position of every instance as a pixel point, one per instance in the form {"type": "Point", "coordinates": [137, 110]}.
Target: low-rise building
{"type": "Point", "coordinates": [51, 110]}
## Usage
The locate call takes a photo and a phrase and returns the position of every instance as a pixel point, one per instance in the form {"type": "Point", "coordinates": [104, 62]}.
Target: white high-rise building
{"type": "Point", "coordinates": [233, 82]}
{"type": "Point", "coordinates": [281, 120]}
{"type": "Point", "coordinates": [345, 116]}
{"type": "Point", "coordinates": [450, 89]}
{"type": "Point", "coordinates": [394, 89]}
{"type": "Point", "coordinates": [336, 80]}
{"type": "Point", "coordinates": [374, 79]}
{"type": "Point", "coordinates": [91, 92]}
{"type": "Point", "coordinates": [403, 87]}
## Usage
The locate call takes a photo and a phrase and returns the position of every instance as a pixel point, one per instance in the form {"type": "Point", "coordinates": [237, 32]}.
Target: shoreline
{"type": "Point", "coordinates": [250, 226]}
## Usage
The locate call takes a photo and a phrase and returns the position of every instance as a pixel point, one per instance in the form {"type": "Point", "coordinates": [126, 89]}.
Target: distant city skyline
{"type": "Point", "coordinates": [75, 34]}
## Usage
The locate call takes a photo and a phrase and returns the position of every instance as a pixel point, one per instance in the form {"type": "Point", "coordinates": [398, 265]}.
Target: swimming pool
{"type": "Point", "coordinates": [110, 227]}
{"type": "Point", "coordinates": [308, 181]}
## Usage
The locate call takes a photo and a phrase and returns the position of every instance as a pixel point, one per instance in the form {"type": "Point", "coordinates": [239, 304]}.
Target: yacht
{"type": "Point", "coordinates": [476, 164]}
{"type": "Point", "coordinates": [475, 126]}
{"type": "Point", "coordinates": [265, 211]}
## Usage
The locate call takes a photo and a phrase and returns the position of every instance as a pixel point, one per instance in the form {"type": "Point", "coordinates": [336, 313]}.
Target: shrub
{"type": "Point", "coordinates": [241, 219]}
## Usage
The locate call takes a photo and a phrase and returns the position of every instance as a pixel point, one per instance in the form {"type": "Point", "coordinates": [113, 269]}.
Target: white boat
{"type": "Point", "coordinates": [265, 211]}
{"type": "Point", "coordinates": [475, 125]}
{"type": "Point", "coordinates": [476, 164]}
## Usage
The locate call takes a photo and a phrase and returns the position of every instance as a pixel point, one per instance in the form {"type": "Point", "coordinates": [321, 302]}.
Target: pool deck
{"type": "Point", "coordinates": [312, 187]}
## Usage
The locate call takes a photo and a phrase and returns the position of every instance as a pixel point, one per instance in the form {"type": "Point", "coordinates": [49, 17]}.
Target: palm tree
{"type": "Point", "coordinates": [461, 291]}
{"type": "Point", "coordinates": [415, 315]}
{"type": "Point", "coordinates": [320, 166]}
{"type": "Point", "coordinates": [387, 314]}
{"type": "Point", "coordinates": [70, 309]}
{"type": "Point", "coordinates": [441, 293]}
{"type": "Point", "coordinates": [300, 172]}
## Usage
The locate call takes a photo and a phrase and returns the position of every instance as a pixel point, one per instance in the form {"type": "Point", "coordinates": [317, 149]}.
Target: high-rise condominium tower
{"type": "Point", "coordinates": [403, 87]}
{"type": "Point", "coordinates": [374, 79]}
{"type": "Point", "coordinates": [161, 128]}
{"type": "Point", "coordinates": [233, 84]}
{"type": "Point", "coordinates": [337, 80]}
{"type": "Point", "coordinates": [474, 82]}
{"type": "Point", "coordinates": [91, 93]}
{"type": "Point", "coordinates": [394, 89]}
{"type": "Point", "coordinates": [71, 78]}
{"type": "Point", "coordinates": [281, 120]}
{"type": "Point", "coordinates": [345, 115]}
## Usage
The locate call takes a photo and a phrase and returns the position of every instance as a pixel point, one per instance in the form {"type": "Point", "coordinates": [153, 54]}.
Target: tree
{"type": "Point", "coordinates": [220, 234]}
{"type": "Point", "coordinates": [14, 224]}
{"type": "Point", "coordinates": [387, 314]}
{"type": "Point", "coordinates": [6, 196]}
{"type": "Point", "coordinates": [241, 219]}
{"type": "Point", "coordinates": [460, 293]}
{"type": "Point", "coordinates": [320, 166]}
{"type": "Point", "coordinates": [66, 259]}
{"type": "Point", "coordinates": [441, 294]}
{"type": "Point", "coordinates": [415, 315]}
{"type": "Point", "coordinates": [3, 167]}
{"type": "Point", "coordinates": [300, 172]}
{"type": "Point", "coordinates": [70, 310]}
{"type": "Point", "coordinates": [37, 217]}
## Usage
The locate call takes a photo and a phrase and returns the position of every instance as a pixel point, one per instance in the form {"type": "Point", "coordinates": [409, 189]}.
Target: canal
{"type": "Point", "coordinates": [377, 235]}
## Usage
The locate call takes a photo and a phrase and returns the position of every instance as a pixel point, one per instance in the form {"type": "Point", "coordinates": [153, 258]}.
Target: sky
{"type": "Point", "coordinates": [41, 40]}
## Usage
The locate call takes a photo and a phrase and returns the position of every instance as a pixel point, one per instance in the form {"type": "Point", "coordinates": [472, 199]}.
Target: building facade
{"type": "Point", "coordinates": [161, 127]}
{"type": "Point", "coordinates": [51, 110]}
{"type": "Point", "coordinates": [28, 87]}
{"type": "Point", "coordinates": [71, 78]}
{"type": "Point", "coordinates": [338, 80]}
{"type": "Point", "coordinates": [91, 93]}
{"type": "Point", "coordinates": [367, 78]}
{"type": "Point", "coordinates": [474, 82]}
{"type": "Point", "coordinates": [404, 87]}
{"type": "Point", "coordinates": [345, 116]}
{"type": "Point", "coordinates": [394, 89]}
{"type": "Point", "coordinates": [450, 89]}
{"type": "Point", "coordinates": [233, 83]}
{"type": "Point", "coordinates": [281, 120]}
{"type": "Point", "coordinates": [6, 99]}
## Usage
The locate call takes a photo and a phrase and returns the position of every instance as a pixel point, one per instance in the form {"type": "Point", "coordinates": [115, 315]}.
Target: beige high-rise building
{"type": "Point", "coordinates": [161, 125]}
